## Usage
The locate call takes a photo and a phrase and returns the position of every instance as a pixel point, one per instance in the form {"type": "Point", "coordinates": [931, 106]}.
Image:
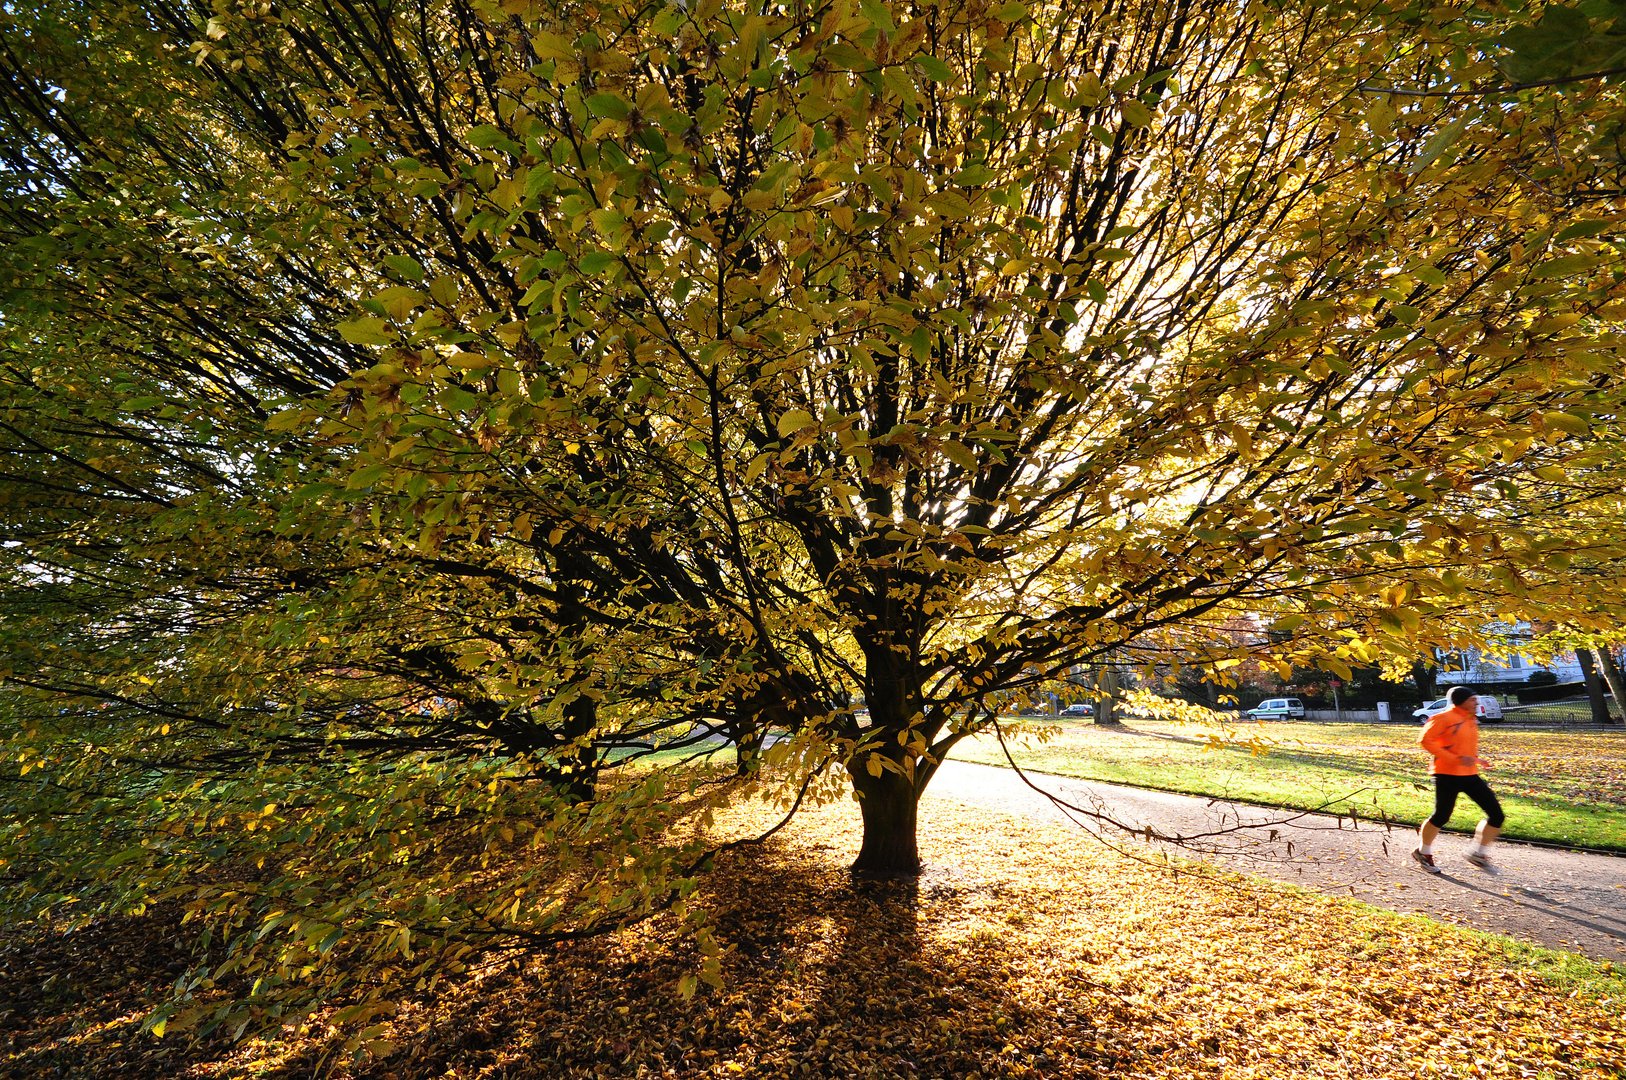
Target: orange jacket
{"type": "Point", "coordinates": [1451, 736]}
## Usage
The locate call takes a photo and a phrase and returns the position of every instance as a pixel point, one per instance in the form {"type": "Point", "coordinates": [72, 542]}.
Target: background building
{"type": "Point", "coordinates": [1507, 665]}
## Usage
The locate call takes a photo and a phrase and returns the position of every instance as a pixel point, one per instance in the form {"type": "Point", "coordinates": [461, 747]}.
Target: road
{"type": "Point", "coordinates": [1560, 899]}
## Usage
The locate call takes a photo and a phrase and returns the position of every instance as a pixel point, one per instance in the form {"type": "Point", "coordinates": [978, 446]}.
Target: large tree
{"type": "Point", "coordinates": [606, 370]}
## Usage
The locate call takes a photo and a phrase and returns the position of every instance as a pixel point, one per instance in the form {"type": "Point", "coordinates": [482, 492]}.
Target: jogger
{"type": "Point", "coordinates": [1452, 737]}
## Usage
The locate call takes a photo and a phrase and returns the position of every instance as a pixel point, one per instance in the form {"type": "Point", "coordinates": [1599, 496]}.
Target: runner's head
{"type": "Point", "coordinates": [1460, 696]}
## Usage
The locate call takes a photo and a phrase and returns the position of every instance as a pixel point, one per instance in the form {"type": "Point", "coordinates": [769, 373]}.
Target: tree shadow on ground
{"type": "Point", "coordinates": [71, 1002]}
{"type": "Point", "coordinates": [1599, 920]}
{"type": "Point", "coordinates": [1125, 729]}
{"type": "Point", "coordinates": [823, 976]}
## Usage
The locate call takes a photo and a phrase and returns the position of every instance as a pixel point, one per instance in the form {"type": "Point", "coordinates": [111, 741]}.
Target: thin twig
{"type": "Point", "coordinates": [1510, 88]}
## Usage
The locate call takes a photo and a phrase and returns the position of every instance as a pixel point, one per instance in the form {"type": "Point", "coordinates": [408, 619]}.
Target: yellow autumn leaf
{"type": "Point", "coordinates": [794, 421]}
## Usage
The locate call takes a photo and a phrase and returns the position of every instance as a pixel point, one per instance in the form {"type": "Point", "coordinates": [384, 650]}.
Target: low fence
{"type": "Point", "coordinates": [1557, 713]}
{"type": "Point", "coordinates": [1355, 716]}
{"type": "Point", "coordinates": [1551, 712]}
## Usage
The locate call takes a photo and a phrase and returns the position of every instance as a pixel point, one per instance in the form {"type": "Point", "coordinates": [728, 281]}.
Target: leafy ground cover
{"type": "Point", "coordinates": [1557, 787]}
{"type": "Point", "coordinates": [1021, 953]}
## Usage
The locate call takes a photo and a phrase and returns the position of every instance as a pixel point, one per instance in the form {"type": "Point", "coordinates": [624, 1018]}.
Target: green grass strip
{"type": "Point", "coordinates": [1371, 771]}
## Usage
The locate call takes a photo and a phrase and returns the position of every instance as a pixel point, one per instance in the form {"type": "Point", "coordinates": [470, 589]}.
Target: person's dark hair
{"type": "Point", "coordinates": [1458, 694]}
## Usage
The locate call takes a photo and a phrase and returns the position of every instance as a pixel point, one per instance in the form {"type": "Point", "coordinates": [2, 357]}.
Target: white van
{"type": "Point", "coordinates": [1277, 708]}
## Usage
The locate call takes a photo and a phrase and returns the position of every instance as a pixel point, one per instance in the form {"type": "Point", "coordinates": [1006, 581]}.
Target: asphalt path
{"type": "Point", "coordinates": [1548, 896]}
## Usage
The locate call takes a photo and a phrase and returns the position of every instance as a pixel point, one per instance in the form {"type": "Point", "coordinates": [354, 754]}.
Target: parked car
{"type": "Point", "coordinates": [1277, 708]}
{"type": "Point", "coordinates": [1079, 708]}
{"type": "Point", "coordinates": [1429, 708]}
{"type": "Point", "coordinates": [1487, 709]}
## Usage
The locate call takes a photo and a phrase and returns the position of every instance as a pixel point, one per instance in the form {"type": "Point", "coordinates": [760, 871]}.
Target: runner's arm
{"type": "Point", "coordinates": [1434, 739]}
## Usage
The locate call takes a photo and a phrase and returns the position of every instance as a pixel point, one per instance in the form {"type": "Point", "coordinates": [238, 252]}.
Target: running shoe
{"type": "Point", "coordinates": [1425, 861]}
{"type": "Point", "coordinates": [1483, 862]}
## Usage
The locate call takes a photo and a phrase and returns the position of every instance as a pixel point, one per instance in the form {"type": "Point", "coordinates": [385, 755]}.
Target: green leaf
{"type": "Point", "coordinates": [366, 477]}
{"type": "Point", "coordinates": [934, 69]}
{"type": "Point", "coordinates": [551, 46]}
{"type": "Point", "coordinates": [610, 106]}
{"type": "Point", "coordinates": [1565, 266]}
{"type": "Point", "coordinates": [973, 176]}
{"type": "Point", "coordinates": [1569, 423]}
{"type": "Point", "coordinates": [457, 399]}
{"type": "Point", "coordinates": [878, 14]}
{"type": "Point", "coordinates": [400, 301]}
{"type": "Point", "coordinates": [330, 939]}
{"type": "Point", "coordinates": [405, 266]}
{"type": "Point", "coordinates": [1554, 47]}
{"type": "Point", "coordinates": [1589, 227]}
{"type": "Point", "coordinates": [1430, 275]}
{"type": "Point", "coordinates": [608, 221]}
{"type": "Point", "coordinates": [1442, 141]}
{"type": "Point", "coordinates": [367, 330]}
{"type": "Point", "coordinates": [950, 206]}
{"type": "Point", "coordinates": [960, 454]}
{"type": "Point", "coordinates": [489, 136]}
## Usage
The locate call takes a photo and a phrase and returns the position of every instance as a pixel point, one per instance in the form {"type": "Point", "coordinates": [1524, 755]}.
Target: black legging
{"type": "Point", "coordinates": [1446, 790]}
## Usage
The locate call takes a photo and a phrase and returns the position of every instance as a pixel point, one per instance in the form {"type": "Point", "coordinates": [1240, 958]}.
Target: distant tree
{"type": "Point", "coordinates": [1424, 676]}
{"type": "Point", "coordinates": [1594, 685]}
{"type": "Point", "coordinates": [1610, 668]}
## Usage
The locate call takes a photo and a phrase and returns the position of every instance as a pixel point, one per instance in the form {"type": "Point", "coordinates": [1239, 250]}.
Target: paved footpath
{"type": "Point", "coordinates": [1562, 899]}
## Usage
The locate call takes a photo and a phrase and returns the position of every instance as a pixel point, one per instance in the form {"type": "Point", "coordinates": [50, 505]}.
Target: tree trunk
{"type": "Point", "coordinates": [1106, 708]}
{"type": "Point", "coordinates": [1594, 686]}
{"type": "Point", "coordinates": [1423, 677]}
{"type": "Point", "coordinates": [887, 803]}
{"type": "Point", "coordinates": [1612, 676]}
{"type": "Point", "coordinates": [748, 750]}
{"type": "Point", "coordinates": [576, 774]}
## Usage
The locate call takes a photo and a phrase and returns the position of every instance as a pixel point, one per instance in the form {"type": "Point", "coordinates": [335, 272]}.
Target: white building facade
{"type": "Point", "coordinates": [1506, 665]}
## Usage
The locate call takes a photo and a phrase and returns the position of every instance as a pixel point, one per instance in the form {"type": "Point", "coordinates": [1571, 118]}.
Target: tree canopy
{"type": "Point", "coordinates": [415, 415]}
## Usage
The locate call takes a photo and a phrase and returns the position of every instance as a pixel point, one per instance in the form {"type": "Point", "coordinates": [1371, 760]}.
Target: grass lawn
{"type": "Point", "coordinates": [719, 754]}
{"type": "Point", "coordinates": [1553, 712]}
{"type": "Point", "coordinates": [1021, 953]}
{"type": "Point", "coordinates": [1558, 787]}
